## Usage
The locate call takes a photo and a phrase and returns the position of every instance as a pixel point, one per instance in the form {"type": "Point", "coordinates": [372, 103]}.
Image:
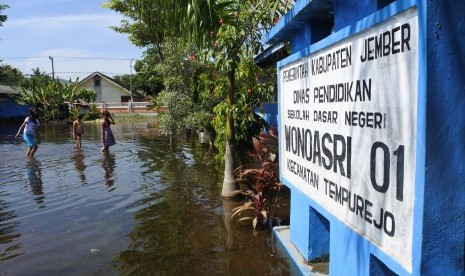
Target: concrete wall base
{"type": "Point", "coordinates": [285, 248]}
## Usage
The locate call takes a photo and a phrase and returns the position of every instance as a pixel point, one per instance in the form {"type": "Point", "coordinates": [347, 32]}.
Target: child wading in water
{"type": "Point", "coordinates": [31, 133]}
{"type": "Point", "coordinates": [108, 139]}
{"type": "Point", "coordinates": [78, 130]}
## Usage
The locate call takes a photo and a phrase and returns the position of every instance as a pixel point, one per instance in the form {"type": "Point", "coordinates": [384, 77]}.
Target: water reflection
{"type": "Point", "coordinates": [34, 180]}
{"type": "Point", "coordinates": [229, 223]}
{"type": "Point", "coordinates": [177, 233]}
{"type": "Point", "coordinates": [9, 236]}
{"type": "Point", "coordinates": [108, 165]}
{"type": "Point", "coordinates": [165, 218]}
{"type": "Point", "coordinates": [78, 159]}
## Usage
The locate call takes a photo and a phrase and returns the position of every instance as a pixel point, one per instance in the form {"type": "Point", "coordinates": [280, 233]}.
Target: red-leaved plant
{"type": "Point", "coordinates": [260, 181]}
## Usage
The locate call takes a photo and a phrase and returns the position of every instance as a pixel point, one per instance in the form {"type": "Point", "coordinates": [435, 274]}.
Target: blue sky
{"type": "Point", "coordinates": [75, 33]}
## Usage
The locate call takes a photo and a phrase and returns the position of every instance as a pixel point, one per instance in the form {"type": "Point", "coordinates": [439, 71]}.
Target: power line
{"type": "Point", "coordinates": [3, 58]}
{"type": "Point", "coordinates": [67, 57]}
{"type": "Point", "coordinates": [104, 58]}
{"type": "Point", "coordinates": [90, 72]}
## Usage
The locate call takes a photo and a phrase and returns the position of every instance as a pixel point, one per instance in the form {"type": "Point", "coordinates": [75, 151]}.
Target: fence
{"type": "Point", "coordinates": [125, 107]}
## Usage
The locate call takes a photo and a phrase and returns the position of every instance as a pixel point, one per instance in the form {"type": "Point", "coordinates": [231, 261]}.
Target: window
{"type": "Point", "coordinates": [97, 81]}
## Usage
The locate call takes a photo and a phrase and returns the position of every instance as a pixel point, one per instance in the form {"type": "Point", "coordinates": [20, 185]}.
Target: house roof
{"type": "Point", "coordinates": [110, 79]}
{"type": "Point", "coordinates": [8, 90]}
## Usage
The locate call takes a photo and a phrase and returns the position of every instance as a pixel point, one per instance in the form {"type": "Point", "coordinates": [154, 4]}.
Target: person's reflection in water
{"type": "Point", "coordinates": [108, 164]}
{"type": "Point", "coordinates": [78, 159]}
{"type": "Point", "coordinates": [34, 179]}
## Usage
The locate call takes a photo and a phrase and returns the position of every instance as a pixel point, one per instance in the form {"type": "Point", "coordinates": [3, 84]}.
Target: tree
{"type": "Point", "coordinates": [87, 95]}
{"type": "Point", "coordinates": [146, 25]}
{"type": "Point", "coordinates": [230, 34]}
{"type": "Point", "coordinates": [171, 121]}
{"type": "Point", "coordinates": [146, 78]}
{"type": "Point", "coordinates": [48, 95]}
{"type": "Point", "coordinates": [10, 75]}
{"type": "Point", "coordinates": [146, 28]}
{"type": "Point", "coordinates": [36, 78]}
{"type": "Point", "coordinates": [179, 81]}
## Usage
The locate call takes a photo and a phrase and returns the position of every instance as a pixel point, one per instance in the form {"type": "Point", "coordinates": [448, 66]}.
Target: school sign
{"type": "Point", "coordinates": [348, 131]}
{"type": "Point", "coordinates": [354, 143]}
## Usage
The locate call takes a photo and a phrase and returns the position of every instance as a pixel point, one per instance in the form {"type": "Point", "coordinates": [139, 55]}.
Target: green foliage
{"type": "Point", "coordinates": [36, 78]}
{"type": "Point", "coordinates": [10, 76]}
{"type": "Point", "coordinates": [184, 103]}
{"type": "Point", "coordinates": [178, 106]}
{"type": "Point", "coordinates": [250, 92]}
{"type": "Point", "coordinates": [146, 25]}
{"type": "Point", "coordinates": [94, 112]}
{"type": "Point", "coordinates": [260, 181]}
{"type": "Point", "coordinates": [177, 70]}
{"type": "Point", "coordinates": [232, 43]}
{"type": "Point", "coordinates": [145, 79]}
{"type": "Point", "coordinates": [3, 17]}
{"type": "Point", "coordinates": [227, 35]}
{"type": "Point", "coordinates": [48, 96]}
{"type": "Point", "coordinates": [87, 95]}
{"type": "Point", "coordinates": [239, 30]}
{"type": "Point", "coordinates": [73, 113]}
{"type": "Point", "coordinates": [44, 96]}
{"type": "Point", "coordinates": [148, 79]}
{"type": "Point", "coordinates": [200, 120]}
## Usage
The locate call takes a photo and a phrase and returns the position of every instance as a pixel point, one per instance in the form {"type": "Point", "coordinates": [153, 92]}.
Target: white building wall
{"type": "Point", "coordinates": [107, 91]}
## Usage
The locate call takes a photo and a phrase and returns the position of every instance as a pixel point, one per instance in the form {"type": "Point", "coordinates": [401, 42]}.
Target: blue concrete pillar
{"type": "Point", "coordinates": [444, 188]}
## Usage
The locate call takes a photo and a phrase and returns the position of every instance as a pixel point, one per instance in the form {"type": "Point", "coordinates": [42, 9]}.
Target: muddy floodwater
{"type": "Point", "coordinates": [142, 209]}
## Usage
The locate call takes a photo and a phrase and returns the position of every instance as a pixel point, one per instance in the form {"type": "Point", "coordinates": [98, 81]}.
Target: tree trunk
{"type": "Point", "coordinates": [229, 181]}
{"type": "Point", "coordinates": [229, 223]}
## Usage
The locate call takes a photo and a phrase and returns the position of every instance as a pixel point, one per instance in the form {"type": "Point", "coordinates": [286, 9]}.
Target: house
{"type": "Point", "coordinates": [107, 89]}
{"type": "Point", "coordinates": [111, 94]}
{"type": "Point", "coordinates": [9, 109]}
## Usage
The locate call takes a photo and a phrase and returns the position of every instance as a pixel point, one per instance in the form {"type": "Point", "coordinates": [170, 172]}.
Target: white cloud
{"type": "Point", "coordinates": [85, 35]}
{"type": "Point", "coordinates": [47, 23]}
{"type": "Point", "coordinates": [31, 3]}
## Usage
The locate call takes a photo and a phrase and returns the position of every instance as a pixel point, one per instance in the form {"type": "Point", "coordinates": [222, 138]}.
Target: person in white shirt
{"type": "Point", "coordinates": [31, 135]}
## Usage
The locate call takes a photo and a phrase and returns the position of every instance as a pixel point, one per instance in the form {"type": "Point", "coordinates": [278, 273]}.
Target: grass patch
{"type": "Point", "coordinates": [134, 117]}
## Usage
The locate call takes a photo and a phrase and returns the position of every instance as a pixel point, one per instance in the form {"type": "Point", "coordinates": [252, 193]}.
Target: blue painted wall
{"type": "Point", "coordinates": [444, 197]}
{"type": "Point", "coordinates": [348, 12]}
{"type": "Point", "coordinates": [439, 218]}
{"type": "Point", "coordinates": [10, 110]}
{"type": "Point", "coordinates": [269, 112]}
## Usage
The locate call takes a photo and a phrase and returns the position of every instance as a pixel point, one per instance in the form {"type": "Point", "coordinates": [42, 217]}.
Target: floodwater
{"type": "Point", "coordinates": [142, 209]}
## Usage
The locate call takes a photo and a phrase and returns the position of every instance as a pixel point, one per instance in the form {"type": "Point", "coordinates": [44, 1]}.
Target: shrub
{"type": "Point", "coordinates": [260, 181]}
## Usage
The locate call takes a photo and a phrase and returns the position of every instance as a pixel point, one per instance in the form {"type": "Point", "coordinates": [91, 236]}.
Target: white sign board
{"type": "Point", "coordinates": [348, 122]}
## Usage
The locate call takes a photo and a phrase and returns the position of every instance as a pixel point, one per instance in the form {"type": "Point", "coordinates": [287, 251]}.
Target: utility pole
{"type": "Point", "coordinates": [53, 69]}
{"type": "Point", "coordinates": [130, 81]}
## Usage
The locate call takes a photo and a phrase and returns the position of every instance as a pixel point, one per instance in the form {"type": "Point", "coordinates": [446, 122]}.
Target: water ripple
{"type": "Point", "coordinates": [144, 207]}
